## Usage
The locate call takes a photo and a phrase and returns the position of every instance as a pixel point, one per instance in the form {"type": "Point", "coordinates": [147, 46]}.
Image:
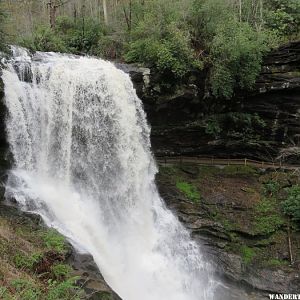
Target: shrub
{"type": "Point", "coordinates": [267, 224]}
{"type": "Point", "coordinates": [160, 39]}
{"type": "Point", "coordinates": [189, 191]}
{"type": "Point", "coordinates": [54, 241]}
{"type": "Point", "coordinates": [26, 290]}
{"type": "Point", "coordinates": [291, 206]}
{"type": "Point", "coordinates": [239, 170]}
{"type": "Point", "coordinates": [247, 254]}
{"type": "Point", "coordinates": [234, 47]}
{"type": "Point", "coordinates": [271, 188]}
{"type": "Point", "coordinates": [267, 219]}
{"type": "Point", "coordinates": [61, 271]}
{"type": "Point", "coordinates": [23, 261]}
{"type": "Point", "coordinates": [236, 53]}
{"type": "Point", "coordinates": [212, 127]}
{"type": "Point", "coordinates": [65, 290]}
{"type": "Point", "coordinates": [44, 39]}
{"type": "Point", "coordinates": [283, 17]}
{"type": "Point", "coordinates": [2, 33]}
{"type": "Point", "coordinates": [68, 36]}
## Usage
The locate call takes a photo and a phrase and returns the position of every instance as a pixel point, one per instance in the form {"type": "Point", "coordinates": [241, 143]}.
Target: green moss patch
{"type": "Point", "coordinates": [240, 170]}
{"type": "Point", "coordinates": [247, 254]}
{"type": "Point", "coordinates": [189, 190]}
{"type": "Point", "coordinates": [268, 217]}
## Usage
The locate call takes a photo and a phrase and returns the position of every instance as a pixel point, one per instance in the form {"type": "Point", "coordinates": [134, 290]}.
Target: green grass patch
{"type": "Point", "coordinates": [189, 190]}
{"type": "Point", "coordinates": [247, 254]}
{"type": "Point", "coordinates": [227, 224]}
{"type": "Point", "coordinates": [29, 290]}
{"type": "Point", "coordinates": [26, 290]}
{"type": "Point", "coordinates": [240, 170]}
{"type": "Point", "coordinates": [267, 224]}
{"type": "Point", "coordinates": [61, 271]}
{"type": "Point", "coordinates": [167, 170]}
{"type": "Point", "coordinates": [205, 171]}
{"type": "Point", "coordinates": [54, 241]}
{"type": "Point", "coordinates": [24, 261]}
{"type": "Point", "coordinates": [274, 262]}
{"type": "Point", "coordinates": [271, 188]}
{"type": "Point", "coordinates": [267, 219]}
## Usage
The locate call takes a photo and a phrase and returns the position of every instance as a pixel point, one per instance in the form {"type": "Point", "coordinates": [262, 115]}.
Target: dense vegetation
{"type": "Point", "coordinates": [173, 36]}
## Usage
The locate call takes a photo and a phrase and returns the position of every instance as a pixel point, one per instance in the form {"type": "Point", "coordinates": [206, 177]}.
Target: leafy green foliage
{"type": "Point", "coordinates": [271, 188]}
{"type": "Point", "coordinates": [64, 290]}
{"type": "Point", "coordinates": [248, 254]}
{"type": "Point", "coordinates": [236, 54]}
{"type": "Point", "coordinates": [176, 36]}
{"type": "Point", "coordinates": [189, 190]}
{"type": "Point", "coordinates": [160, 38]}
{"type": "Point", "coordinates": [68, 36]}
{"type": "Point", "coordinates": [275, 262]}
{"type": "Point", "coordinates": [54, 241]}
{"type": "Point", "coordinates": [245, 126]}
{"type": "Point", "coordinates": [291, 206]}
{"type": "Point", "coordinates": [235, 48]}
{"type": "Point", "coordinates": [267, 219]}
{"type": "Point", "coordinates": [23, 261]}
{"type": "Point", "coordinates": [234, 125]}
{"type": "Point", "coordinates": [2, 33]}
{"type": "Point", "coordinates": [79, 36]}
{"type": "Point", "coordinates": [26, 290]}
{"type": "Point", "coordinates": [61, 271]}
{"type": "Point", "coordinates": [44, 39]}
{"type": "Point", "coordinates": [239, 170]}
{"type": "Point", "coordinates": [283, 17]}
{"type": "Point", "coordinates": [212, 127]}
{"type": "Point", "coordinates": [268, 224]}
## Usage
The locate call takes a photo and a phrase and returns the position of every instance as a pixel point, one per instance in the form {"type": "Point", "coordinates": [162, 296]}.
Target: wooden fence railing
{"type": "Point", "coordinates": [211, 161]}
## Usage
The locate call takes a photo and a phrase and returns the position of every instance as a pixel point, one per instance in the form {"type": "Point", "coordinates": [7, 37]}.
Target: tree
{"type": "Point", "coordinates": [160, 37]}
{"type": "Point", "coordinates": [291, 206]}
{"type": "Point", "coordinates": [234, 47]}
{"type": "Point", "coordinates": [53, 5]}
{"type": "Point", "coordinates": [2, 34]}
{"type": "Point", "coordinates": [105, 12]}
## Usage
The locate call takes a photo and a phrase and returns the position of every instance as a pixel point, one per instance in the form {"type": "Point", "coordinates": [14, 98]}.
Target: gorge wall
{"type": "Point", "coordinates": [263, 123]}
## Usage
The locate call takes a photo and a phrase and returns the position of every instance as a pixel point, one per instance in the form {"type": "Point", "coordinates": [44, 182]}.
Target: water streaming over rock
{"type": "Point", "coordinates": [80, 142]}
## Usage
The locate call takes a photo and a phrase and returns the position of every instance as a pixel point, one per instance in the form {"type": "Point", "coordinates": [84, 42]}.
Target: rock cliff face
{"type": "Point", "coordinates": [263, 123]}
{"type": "Point", "coordinates": [238, 223]}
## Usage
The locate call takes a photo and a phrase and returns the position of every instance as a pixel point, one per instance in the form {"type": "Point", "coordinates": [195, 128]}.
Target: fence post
{"type": "Point", "coordinates": [245, 161]}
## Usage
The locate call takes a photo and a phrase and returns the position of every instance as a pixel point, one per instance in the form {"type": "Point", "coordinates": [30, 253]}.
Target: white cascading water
{"type": "Point", "coordinates": [80, 142]}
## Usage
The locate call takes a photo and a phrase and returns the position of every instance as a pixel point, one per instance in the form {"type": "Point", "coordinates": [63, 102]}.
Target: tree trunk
{"type": "Point", "coordinates": [261, 8]}
{"type": "Point", "coordinates": [52, 13]}
{"type": "Point", "coordinates": [105, 12]}
{"type": "Point", "coordinates": [290, 243]}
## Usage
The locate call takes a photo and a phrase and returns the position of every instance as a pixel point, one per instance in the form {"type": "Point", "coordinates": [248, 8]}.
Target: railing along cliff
{"type": "Point", "coordinates": [211, 161]}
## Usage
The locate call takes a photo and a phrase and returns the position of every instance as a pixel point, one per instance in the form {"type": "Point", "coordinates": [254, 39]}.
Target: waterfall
{"type": "Point", "coordinates": [82, 160]}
